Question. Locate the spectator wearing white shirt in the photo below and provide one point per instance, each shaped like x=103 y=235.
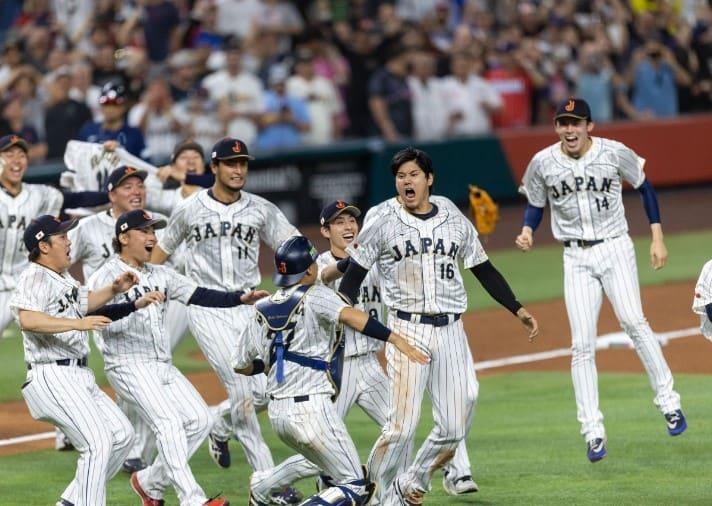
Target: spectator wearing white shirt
x=323 y=100
x=240 y=95
x=155 y=117
x=469 y=99
x=430 y=118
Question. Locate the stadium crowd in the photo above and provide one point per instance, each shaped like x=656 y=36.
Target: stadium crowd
x=280 y=74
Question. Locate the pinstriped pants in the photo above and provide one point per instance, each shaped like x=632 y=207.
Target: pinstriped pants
x=68 y=397
x=609 y=268
x=452 y=385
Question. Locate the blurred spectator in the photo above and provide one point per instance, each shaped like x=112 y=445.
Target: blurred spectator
x=113 y=127
x=13 y=122
x=428 y=100
x=74 y=18
x=104 y=67
x=324 y=103
x=11 y=61
x=239 y=93
x=390 y=99
x=203 y=33
x=597 y=82
x=514 y=77
x=64 y=116
x=84 y=91
x=654 y=74
x=468 y=99
x=280 y=18
x=197 y=118
x=159 y=21
x=25 y=85
x=184 y=73
x=153 y=115
x=285 y=118
x=238 y=17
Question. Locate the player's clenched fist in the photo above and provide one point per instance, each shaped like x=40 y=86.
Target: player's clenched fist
x=413 y=353
x=525 y=240
x=124 y=282
x=93 y=323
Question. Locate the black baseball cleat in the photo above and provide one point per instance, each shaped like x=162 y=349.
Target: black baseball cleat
x=219 y=451
x=289 y=495
x=596 y=449
x=676 y=423
x=133 y=465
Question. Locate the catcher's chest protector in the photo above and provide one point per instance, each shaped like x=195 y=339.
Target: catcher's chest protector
x=281 y=321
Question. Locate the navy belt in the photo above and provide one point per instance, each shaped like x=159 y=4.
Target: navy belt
x=582 y=243
x=436 y=320
x=298 y=398
x=81 y=362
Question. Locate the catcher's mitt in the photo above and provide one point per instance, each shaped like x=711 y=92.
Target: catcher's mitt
x=485 y=212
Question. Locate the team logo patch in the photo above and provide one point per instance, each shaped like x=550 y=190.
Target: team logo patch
x=39 y=235
x=237 y=148
x=129 y=170
x=146 y=216
x=570 y=106
x=14 y=139
x=124 y=226
x=282 y=268
x=340 y=204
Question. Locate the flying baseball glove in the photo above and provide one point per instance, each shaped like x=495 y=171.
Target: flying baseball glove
x=484 y=211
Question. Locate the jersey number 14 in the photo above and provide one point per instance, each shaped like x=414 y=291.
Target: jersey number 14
x=601 y=204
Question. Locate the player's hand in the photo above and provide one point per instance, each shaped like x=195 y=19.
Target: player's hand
x=529 y=322
x=413 y=353
x=111 y=145
x=250 y=298
x=124 y=282
x=93 y=323
x=525 y=240
x=658 y=254
x=150 y=298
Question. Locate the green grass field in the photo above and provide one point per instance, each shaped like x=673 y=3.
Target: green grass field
x=524 y=446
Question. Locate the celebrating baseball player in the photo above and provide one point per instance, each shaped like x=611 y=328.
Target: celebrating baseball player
x=702 y=302
x=581 y=177
x=137 y=358
x=417 y=240
x=298 y=333
x=222 y=228
x=54 y=313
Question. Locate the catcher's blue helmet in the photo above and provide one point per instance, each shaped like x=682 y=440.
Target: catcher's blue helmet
x=292 y=259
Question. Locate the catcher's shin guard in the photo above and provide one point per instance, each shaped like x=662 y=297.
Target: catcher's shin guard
x=352 y=493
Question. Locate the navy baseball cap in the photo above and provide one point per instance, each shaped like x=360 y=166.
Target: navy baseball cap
x=574 y=108
x=228 y=149
x=292 y=259
x=138 y=218
x=44 y=226
x=112 y=93
x=332 y=210
x=8 y=141
x=120 y=174
x=185 y=146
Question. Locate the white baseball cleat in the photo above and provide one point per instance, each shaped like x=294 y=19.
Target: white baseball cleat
x=461 y=485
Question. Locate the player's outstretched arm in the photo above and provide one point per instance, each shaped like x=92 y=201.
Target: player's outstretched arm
x=361 y=322
x=98 y=298
x=334 y=271
x=41 y=323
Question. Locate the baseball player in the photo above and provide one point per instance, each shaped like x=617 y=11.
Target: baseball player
x=19 y=203
x=297 y=331
x=222 y=228
x=137 y=358
x=92 y=241
x=54 y=313
x=702 y=303
x=417 y=240
x=581 y=177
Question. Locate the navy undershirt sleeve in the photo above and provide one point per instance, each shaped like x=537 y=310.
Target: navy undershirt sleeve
x=650 y=202
x=205 y=180
x=495 y=284
x=215 y=298
x=115 y=311
x=73 y=200
x=533 y=216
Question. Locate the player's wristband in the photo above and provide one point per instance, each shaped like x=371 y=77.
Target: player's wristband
x=376 y=329
x=343 y=264
x=258 y=367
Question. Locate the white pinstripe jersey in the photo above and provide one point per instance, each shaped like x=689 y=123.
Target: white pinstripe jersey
x=418 y=258
x=60 y=295
x=369 y=302
x=313 y=336
x=15 y=214
x=91 y=241
x=585 y=194
x=159 y=199
x=703 y=296
x=223 y=241
x=141 y=336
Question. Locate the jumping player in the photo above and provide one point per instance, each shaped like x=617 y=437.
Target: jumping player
x=222 y=228
x=582 y=178
x=55 y=314
x=298 y=329
x=417 y=240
